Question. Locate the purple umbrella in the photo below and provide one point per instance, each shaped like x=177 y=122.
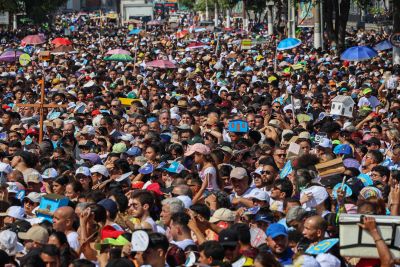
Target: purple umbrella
x=162 y=64
x=10 y=56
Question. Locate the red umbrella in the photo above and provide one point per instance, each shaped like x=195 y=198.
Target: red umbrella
x=33 y=40
x=118 y=52
x=195 y=45
x=155 y=22
x=61 y=41
x=162 y=64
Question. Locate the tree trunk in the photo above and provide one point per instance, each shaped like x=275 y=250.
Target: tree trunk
x=344 y=17
x=328 y=19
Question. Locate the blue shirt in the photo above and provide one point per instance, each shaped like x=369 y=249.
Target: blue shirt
x=286 y=257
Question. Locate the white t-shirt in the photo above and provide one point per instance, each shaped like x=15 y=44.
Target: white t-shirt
x=73 y=242
x=211 y=172
x=249 y=193
x=184 y=243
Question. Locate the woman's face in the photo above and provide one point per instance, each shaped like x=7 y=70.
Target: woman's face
x=258 y=182
x=69 y=192
x=58 y=189
x=150 y=154
x=54 y=241
x=198 y=158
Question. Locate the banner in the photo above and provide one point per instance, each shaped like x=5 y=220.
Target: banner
x=305 y=14
x=246 y=44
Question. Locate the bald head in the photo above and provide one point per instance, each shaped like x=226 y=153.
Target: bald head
x=318 y=222
x=63 y=219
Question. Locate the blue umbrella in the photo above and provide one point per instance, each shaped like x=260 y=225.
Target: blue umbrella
x=288 y=43
x=384 y=45
x=134 y=31
x=358 y=53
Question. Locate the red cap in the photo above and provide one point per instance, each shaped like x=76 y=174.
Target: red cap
x=155 y=187
x=5 y=106
x=96 y=112
x=137 y=185
x=110 y=232
x=32 y=131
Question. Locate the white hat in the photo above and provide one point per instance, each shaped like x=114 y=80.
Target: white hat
x=49 y=173
x=288 y=107
x=100 y=169
x=304 y=135
x=187 y=202
x=83 y=170
x=14 y=187
x=34 y=197
x=124 y=176
x=175 y=116
x=126 y=137
x=319 y=195
x=223 y=88
x=6 y=168
x=9 y=242
x=260 y=195
x=325 y=143
x=16 y=212
x=88 y=129
x=346 y=125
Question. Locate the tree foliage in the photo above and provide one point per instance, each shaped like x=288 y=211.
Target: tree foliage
x=37 y=10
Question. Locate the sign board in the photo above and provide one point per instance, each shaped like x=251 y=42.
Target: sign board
x=322 y=247
x=246 y=44
x=238 y=126
x=286 y=170
x=305 y=14
x=24 y=59
x=395 y=39
x=4 y=18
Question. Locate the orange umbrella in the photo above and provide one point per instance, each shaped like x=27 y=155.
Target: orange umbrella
x=61 y=41
x=182 y=34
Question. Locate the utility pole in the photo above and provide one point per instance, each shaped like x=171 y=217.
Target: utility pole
x=321 y=11
x=270 y=6
x=317 y=24
x=215 y=14
x=228 y=18
x=207 y=17
x=396 y=29
x=291 y=19
x=244 y=16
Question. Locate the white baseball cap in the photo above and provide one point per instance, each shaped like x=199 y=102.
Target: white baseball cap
x=9 y=243
x=83 y=170
x=16 y=212
x=49 y=173
x=100 y=169
x=6 y=168
x=34 y=197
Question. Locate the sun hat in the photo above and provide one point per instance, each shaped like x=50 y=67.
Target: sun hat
x=9 y=242
x=36 y=233
x=199 y=148
x=16 y=212
x=238 y=173
x=98 y=168
x=223 y=214
x=49 y=173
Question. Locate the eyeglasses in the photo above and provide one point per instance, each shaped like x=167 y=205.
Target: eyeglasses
x=281 y=155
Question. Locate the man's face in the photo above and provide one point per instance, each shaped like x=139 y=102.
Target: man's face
x=50 y=261
x=268 y=174
x=165 y=215
x=310 y=231
x=278 y=244
x=136 y=208
x=203 y=259
x=279 y=156
x=59 y=221
x=239 y=185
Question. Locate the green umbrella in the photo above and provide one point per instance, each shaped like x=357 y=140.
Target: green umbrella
x=119 y=57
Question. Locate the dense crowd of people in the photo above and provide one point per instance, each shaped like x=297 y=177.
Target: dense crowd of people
x=215 y=162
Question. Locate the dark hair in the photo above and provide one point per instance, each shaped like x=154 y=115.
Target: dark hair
x=95 y=195
x=201 y=209
x=243 y=232
x=212 y=249
x=66 y=253
x=61 y=237
x=122 y=165
x=377 y=156
x=181 y=219
x=382 y=170
x=286 y=186
x=157 y=240
x=100 y=213
x=50 y=250
x=267 y=259
x=121 y=200
x=82 y=263
x=76 y=186
x=144 y=197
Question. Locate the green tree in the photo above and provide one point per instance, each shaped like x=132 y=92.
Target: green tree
x=38 y=10
x=187 y=3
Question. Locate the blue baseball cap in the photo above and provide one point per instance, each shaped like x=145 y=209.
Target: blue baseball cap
x=263 y=218
x=134 y=151
x=275 y=230
x=343 y=149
